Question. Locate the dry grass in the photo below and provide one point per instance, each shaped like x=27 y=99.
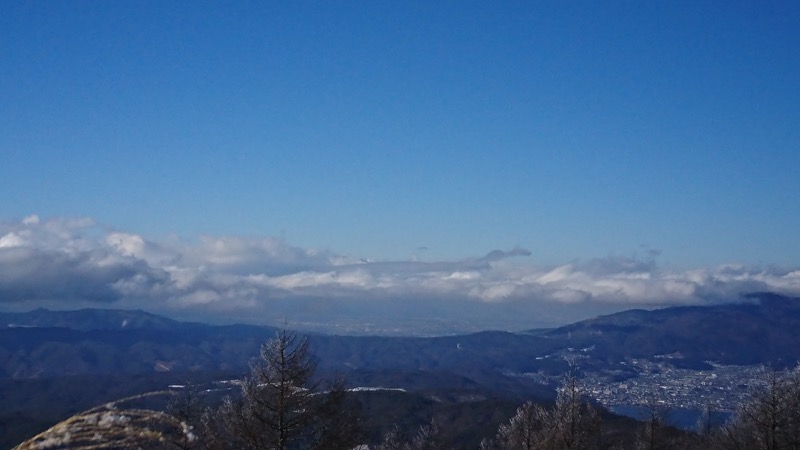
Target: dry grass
x=113 y=425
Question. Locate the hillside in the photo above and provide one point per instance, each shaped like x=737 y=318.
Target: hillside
x=760 y=330
x=93 y=354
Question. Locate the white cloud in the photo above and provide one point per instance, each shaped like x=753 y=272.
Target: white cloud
x=12 y=240
x=72 y=260
x=31 y=220
x=126 y=244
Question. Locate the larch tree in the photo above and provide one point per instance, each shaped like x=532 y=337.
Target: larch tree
x=186 y=404
x=769 y=420
x=282 y=406
x=572 y=424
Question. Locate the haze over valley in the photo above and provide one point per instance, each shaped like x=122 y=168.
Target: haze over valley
x=75 y=263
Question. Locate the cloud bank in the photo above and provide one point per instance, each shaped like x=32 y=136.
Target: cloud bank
x=65 y=263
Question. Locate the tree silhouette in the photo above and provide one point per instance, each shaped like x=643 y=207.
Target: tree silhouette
x=282 y=406
x=571 y=424
x=770 y=420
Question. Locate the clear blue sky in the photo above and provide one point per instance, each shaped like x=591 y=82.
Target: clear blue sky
x=572 y=129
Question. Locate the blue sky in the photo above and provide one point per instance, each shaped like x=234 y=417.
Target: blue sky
x=398 y=131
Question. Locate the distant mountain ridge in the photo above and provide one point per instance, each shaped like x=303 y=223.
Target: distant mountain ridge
x=42 y=347
x=88 y=319
x=763 y=329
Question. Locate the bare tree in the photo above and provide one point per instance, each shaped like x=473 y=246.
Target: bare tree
x=394 y=439
x=652 y=433
x=524 y=431
x=770 y=420
x=282 y=405
x=428 y=437
x=211 y=431
x=571 y=424
x=577 y=423
x=186 y=404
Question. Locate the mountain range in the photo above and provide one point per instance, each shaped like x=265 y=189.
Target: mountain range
x=761 y=329
x=99 y=354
